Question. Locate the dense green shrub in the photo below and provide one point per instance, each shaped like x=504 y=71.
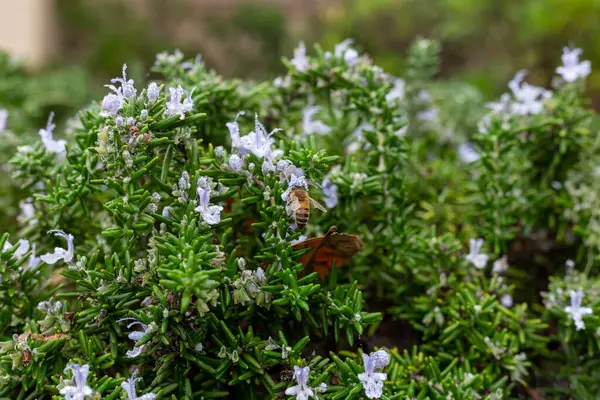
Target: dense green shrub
x=175 y=267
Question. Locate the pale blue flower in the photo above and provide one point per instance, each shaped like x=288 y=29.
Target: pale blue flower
x=211 y=214
x=573 y=69
x=235 y=162
x=347 y=53
x=192 y=66
x=59 y=253
x=300 y=61
x=46 y=134
x=80 y=390
x=178 y=105
x=302 y=391
x=479 y=260
x=500 y=265
x=260 y=142
x=3 y=119
x=506 y=300
x=529 y=99
x=127 y=90
x=576 y=311
x=330 y=191
x=397 y=91
x=111 y=104
x=152 y=92
x=372 y=381
x=467 y=153
x=357 y=138
x=136 y=336
x=313 y=126
x=22 y=248
x=165 y=58
x=34 y=261
x=129 y=388
x=431 y=114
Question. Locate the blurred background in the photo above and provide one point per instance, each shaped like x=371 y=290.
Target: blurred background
x=483 y=41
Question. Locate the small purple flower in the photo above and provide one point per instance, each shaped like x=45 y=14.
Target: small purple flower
x=347 y=53
x=210 y=214
x=302 y=391
x=300 y=61
x=129 y=388
x=3 y=119
x=59 y=253
x=235 y=162
x=80 y=390
x=576 y=311
x=467 y=153
x=22 y=248
x=178 y=105
x=111 y=104
x=506 y=300
x=529 y=99
x=397 y=91
x=475 y=257
x=372 y=381
x=136 y=336
x=192 y=66
x=573 y=69
x=152 y=92
x=313 y=126
x=500 y=265
x=127 y=90
x=261 y=141
x=46 y=134
x=330 y=190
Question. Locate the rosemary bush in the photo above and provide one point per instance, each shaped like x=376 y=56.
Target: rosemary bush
x=157 y=256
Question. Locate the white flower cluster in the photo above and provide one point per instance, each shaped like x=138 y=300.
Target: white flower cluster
x=113 y=102
x=342 y=51
x=526 y=99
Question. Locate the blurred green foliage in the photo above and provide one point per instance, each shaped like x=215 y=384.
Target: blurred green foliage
x=483 y=42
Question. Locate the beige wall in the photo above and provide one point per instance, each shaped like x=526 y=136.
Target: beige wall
x=26 y=29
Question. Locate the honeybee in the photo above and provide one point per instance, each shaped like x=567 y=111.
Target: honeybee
x=298 y=206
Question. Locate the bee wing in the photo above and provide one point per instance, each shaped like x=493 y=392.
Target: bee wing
x=292 y=205
x=316 y=204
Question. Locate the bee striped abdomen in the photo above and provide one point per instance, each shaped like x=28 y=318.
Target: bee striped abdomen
x=302 y=215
